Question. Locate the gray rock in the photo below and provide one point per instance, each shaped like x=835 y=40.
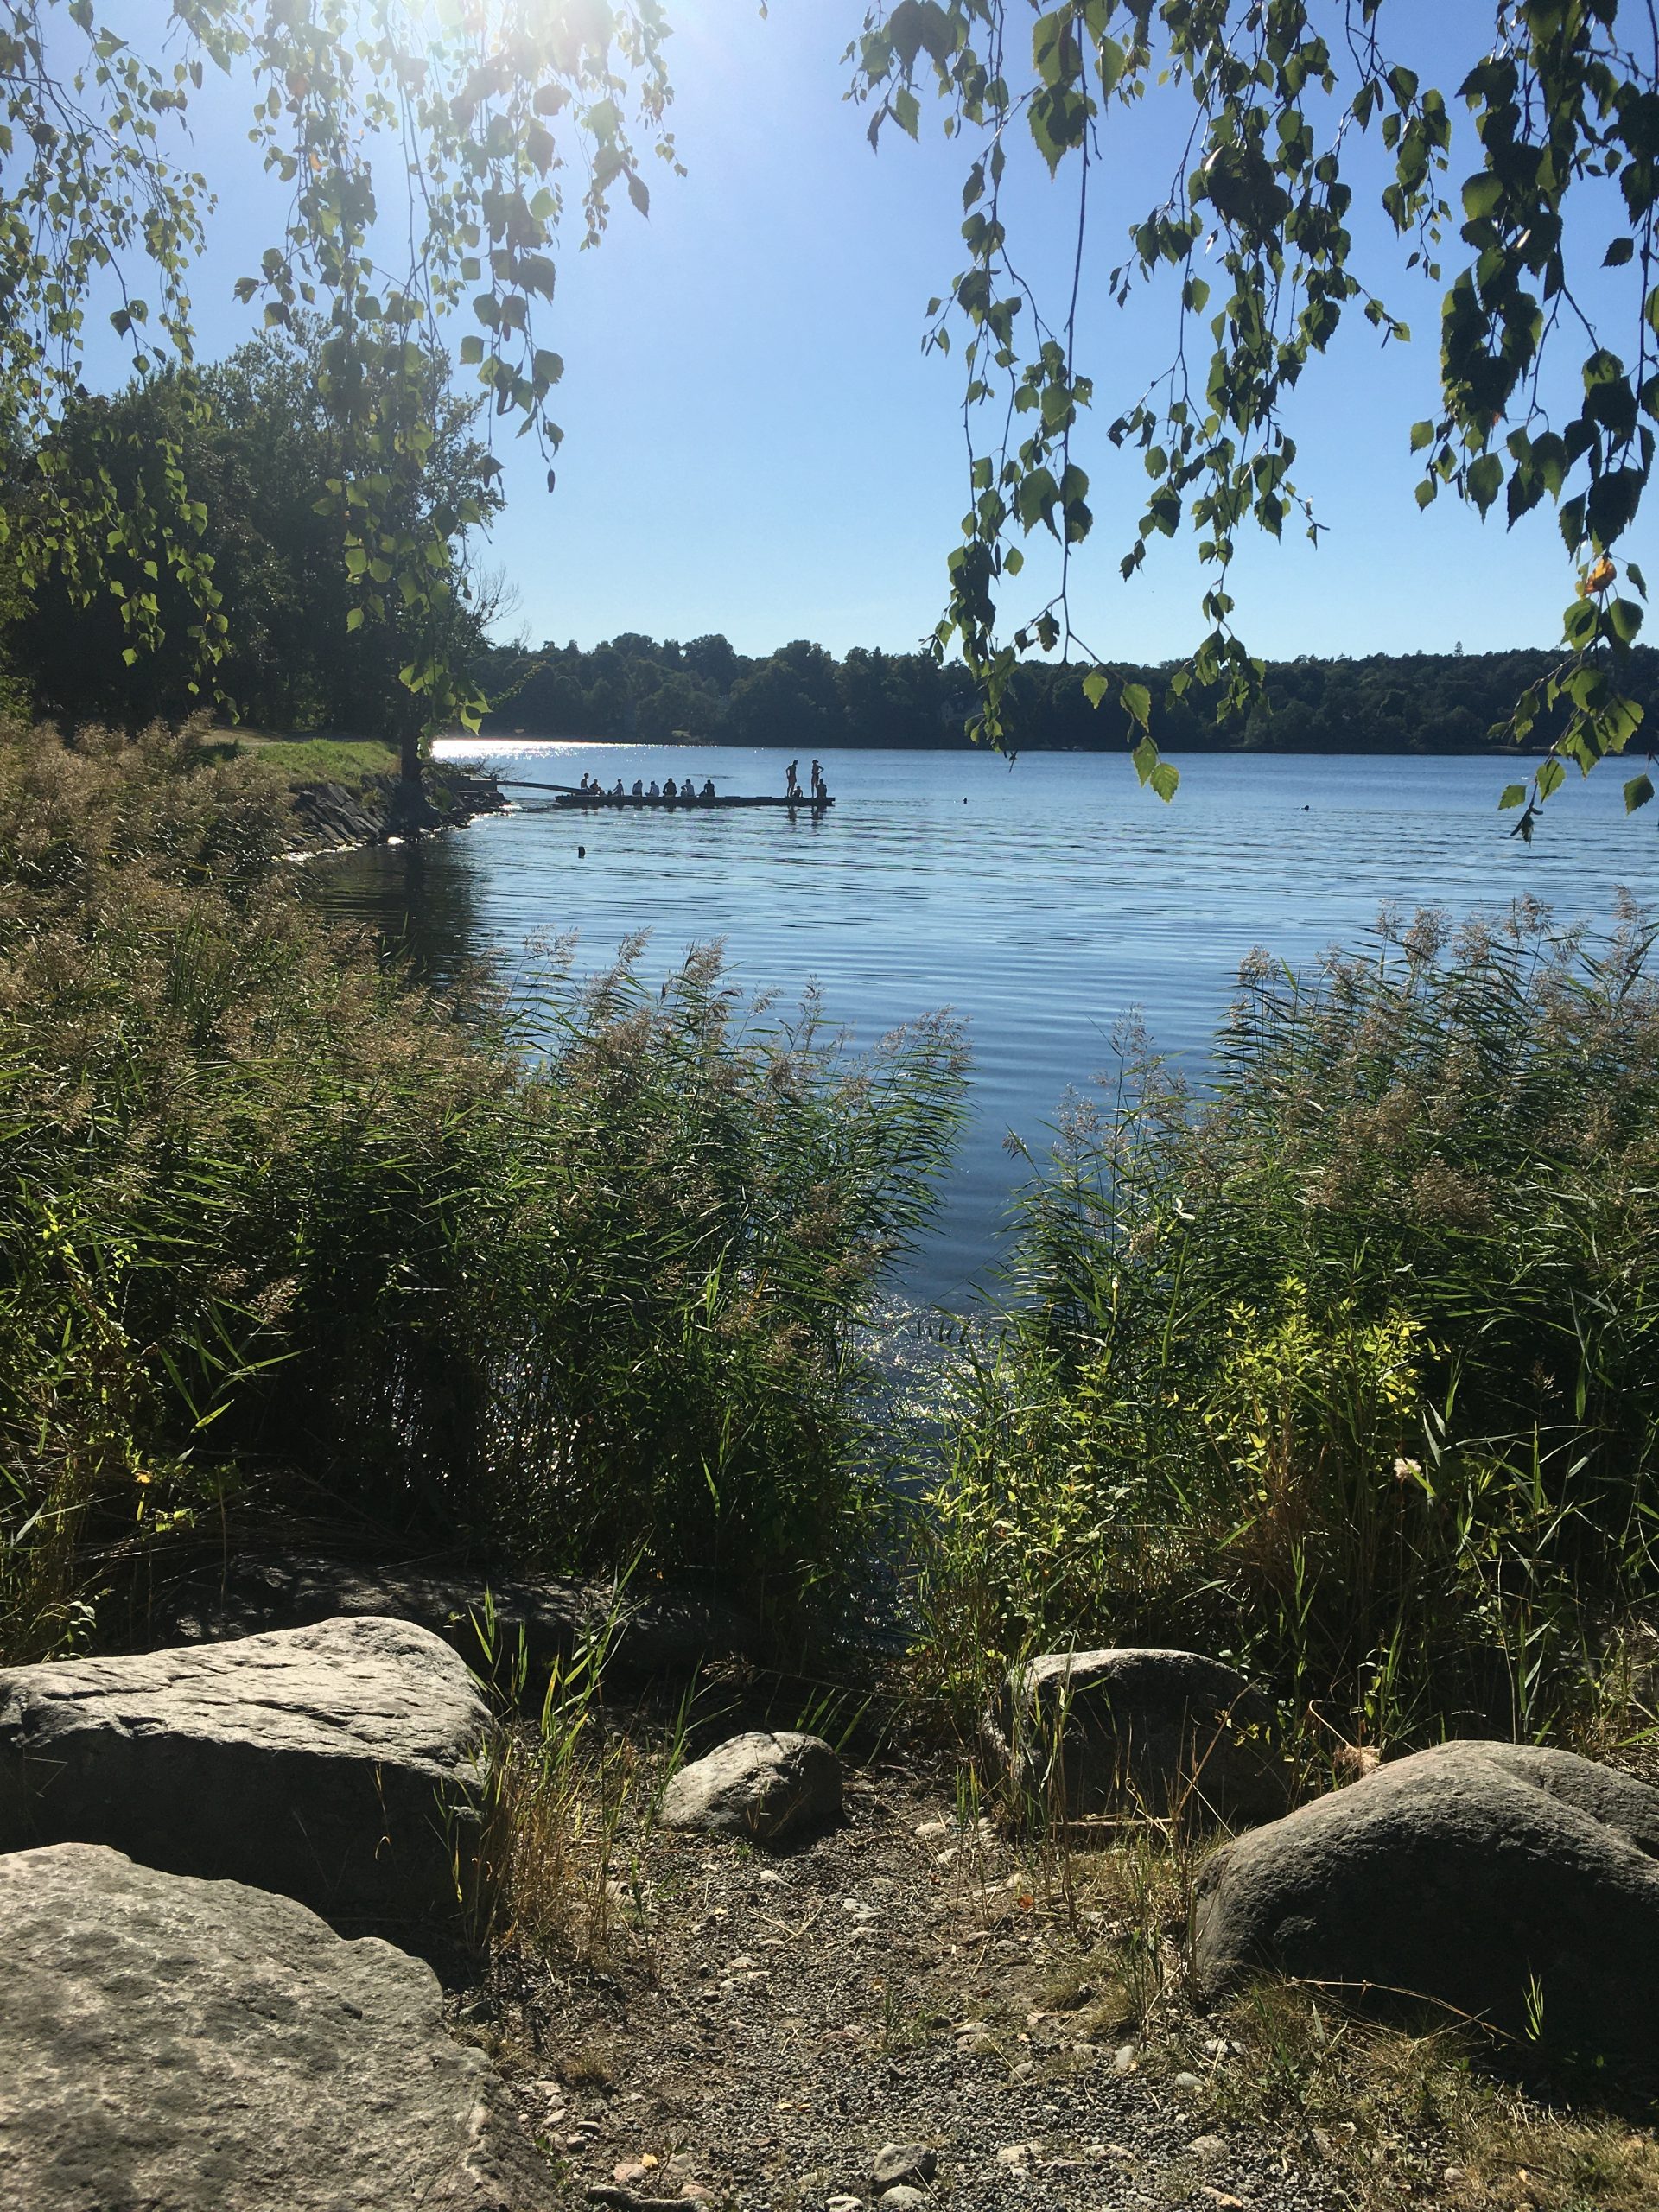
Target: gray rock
x=903 y=2196
x=658 y=1632
x=764 y=1786
x=911 y=2165
x=173 y=2045
x=336 y=1764
x=1468 y=1875
x=1171 y=1733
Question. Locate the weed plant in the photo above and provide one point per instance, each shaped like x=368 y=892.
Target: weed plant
x=1343 y=1367
x=564 y=1279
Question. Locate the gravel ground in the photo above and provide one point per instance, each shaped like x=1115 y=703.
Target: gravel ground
x=783 y=2017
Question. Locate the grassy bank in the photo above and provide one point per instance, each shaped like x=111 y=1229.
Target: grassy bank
x=353 y=762
x=1344 y=1368
x=567 y=1279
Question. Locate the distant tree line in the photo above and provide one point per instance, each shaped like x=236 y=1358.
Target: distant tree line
x=635 y=689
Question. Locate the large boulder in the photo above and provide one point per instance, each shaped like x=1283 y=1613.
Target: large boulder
x=173 y=2045
x=1170 y=1733
x=338 y=1763
x=1512 y=1884
x=490 y=1620
x=767 y=1787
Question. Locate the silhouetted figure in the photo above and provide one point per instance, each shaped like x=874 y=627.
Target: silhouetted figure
x=670 y=789
x=819 y=789
x=791 y=780
x=639 y=788
x=708 y=787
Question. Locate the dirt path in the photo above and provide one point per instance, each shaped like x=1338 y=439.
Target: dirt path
x=893 y=1982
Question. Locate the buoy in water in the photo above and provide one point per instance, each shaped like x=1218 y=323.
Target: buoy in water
x=582 y=852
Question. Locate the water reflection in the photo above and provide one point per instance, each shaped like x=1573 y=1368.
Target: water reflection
x=420 y=901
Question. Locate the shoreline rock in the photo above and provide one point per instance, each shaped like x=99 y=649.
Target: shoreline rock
x=342 y=820
x=1507 y=1883
x=207 y=2047
x=1172 y=1735
x=339 y=1763
x=767 y=1787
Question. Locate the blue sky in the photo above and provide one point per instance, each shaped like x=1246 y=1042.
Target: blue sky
x=755 y=443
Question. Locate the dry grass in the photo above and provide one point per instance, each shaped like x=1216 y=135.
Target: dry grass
x=1392 y=2111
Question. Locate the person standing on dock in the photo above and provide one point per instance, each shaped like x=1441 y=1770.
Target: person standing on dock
x=791 y=780
x=820 y=791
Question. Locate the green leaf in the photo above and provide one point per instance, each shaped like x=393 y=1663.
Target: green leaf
x=1514 y=795
x=1136 y=703
x=1485 y=480
x=1619 y=253
x=1637 y=792
x=1422 y=433
x=1096 y=685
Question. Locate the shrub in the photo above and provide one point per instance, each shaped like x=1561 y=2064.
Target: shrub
x=562 y=1280
x=1343 y=1366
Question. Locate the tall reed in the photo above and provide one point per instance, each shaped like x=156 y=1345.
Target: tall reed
x=1341 y=1366
x=561 y=1279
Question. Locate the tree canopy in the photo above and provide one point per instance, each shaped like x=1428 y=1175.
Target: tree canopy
x=1543 y=159
x=435 y=153
x=426 y=147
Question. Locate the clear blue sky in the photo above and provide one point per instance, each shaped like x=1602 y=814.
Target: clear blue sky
x=756 y=444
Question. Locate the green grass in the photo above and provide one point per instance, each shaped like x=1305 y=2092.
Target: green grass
x=1343 y=1368
x=353 y=761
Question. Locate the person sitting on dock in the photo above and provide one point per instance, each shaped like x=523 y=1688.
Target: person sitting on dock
x=791 y=780
x=653 y=792
x=639 y=788
x=670 y=789
x=617 y=793
x=708 y=791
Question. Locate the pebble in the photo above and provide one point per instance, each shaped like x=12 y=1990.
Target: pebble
x=909 y=2165
x=1186 y=2081
x=1207 y=2148
x=845 y=2204
x=1018 y=2154
x=1123 y=2059
x=901 y=2197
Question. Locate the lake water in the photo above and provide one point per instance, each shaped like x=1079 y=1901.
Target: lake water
x=1045 y=902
